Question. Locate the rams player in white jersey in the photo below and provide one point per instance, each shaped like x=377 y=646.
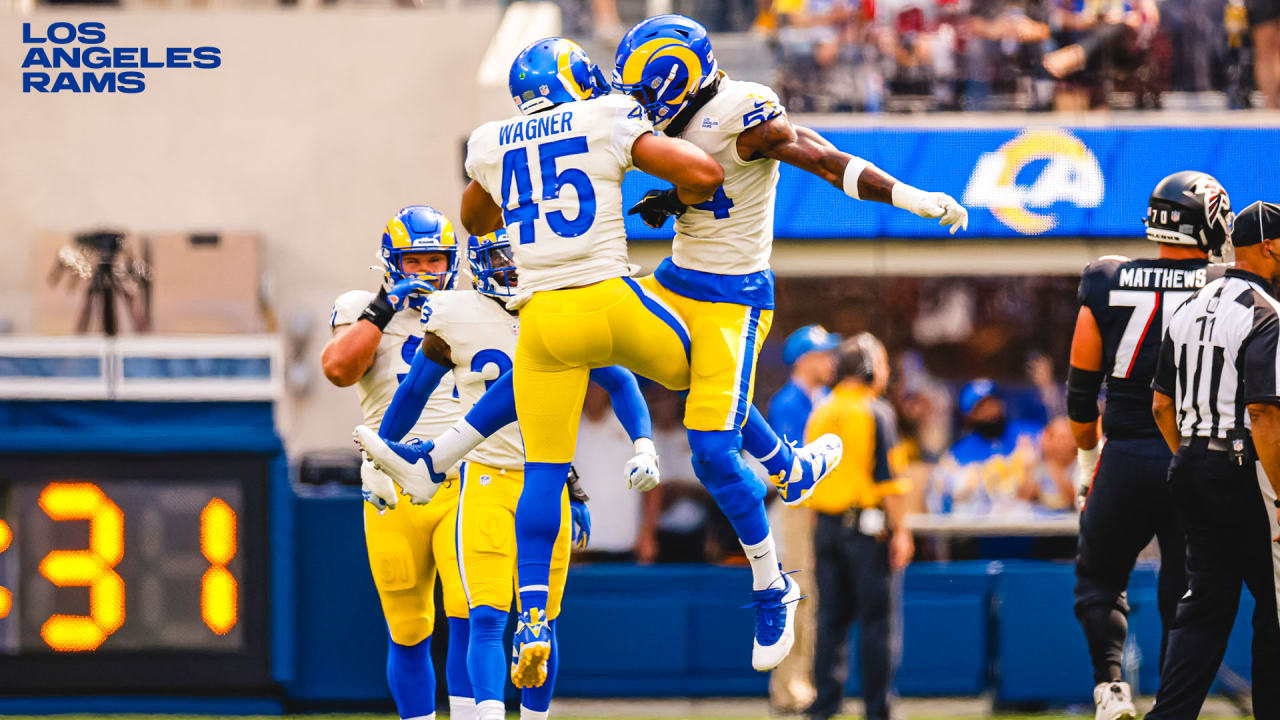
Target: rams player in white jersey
x=471 y=334
x=553 y=177
x=375 y=338
x=718 y=278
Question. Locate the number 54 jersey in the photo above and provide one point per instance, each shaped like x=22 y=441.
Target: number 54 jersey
x=1132 y=301
x=557 y=175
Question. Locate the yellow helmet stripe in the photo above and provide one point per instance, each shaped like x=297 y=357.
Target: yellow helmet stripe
x=682 y=53
x=564 y=55
x=634 y=66
x=399 y=233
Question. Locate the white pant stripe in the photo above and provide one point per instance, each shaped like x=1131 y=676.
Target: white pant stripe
x=457 y=532
x=737 y=371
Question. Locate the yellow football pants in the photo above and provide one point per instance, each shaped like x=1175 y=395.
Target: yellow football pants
x=487 y=538
x=564 y=333
x=726 y=339
x=408 y=545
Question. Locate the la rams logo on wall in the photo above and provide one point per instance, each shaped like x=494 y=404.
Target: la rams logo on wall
x=1023 y=178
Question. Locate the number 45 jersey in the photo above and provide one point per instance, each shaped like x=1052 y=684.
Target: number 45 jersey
x=557 y=175
x=1132 y=301
x=482 y=340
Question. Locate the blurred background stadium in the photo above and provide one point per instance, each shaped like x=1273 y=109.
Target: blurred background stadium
x=170 y=258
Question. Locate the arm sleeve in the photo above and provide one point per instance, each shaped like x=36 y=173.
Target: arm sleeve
x=758 y=104
x=628 y=403
x=495 y=409
x=406 y=406
x=1165 y=380
x=1260 y=359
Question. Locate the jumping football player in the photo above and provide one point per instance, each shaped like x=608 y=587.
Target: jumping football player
x=552 y=176
x=471 y=334
x=1124 y=309
x=374 y=339
x=718 y=279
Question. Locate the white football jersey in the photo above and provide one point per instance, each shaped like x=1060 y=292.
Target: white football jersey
x=731 y=234
x=557 y=175
x=391 y=361
x=482 y=341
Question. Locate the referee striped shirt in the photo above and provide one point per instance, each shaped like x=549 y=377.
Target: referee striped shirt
x=1220 y=354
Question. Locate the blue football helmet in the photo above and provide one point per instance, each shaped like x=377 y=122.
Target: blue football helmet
x=553 y=71
x=419 y=229
x=493 y=266
x=662 y=63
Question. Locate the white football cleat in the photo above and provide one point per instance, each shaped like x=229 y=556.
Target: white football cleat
x=775 y=623
x=811 y=465
x=1114 y=701
x=408 y=464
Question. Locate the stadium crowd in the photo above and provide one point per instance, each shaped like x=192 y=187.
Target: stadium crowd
x=992 y=55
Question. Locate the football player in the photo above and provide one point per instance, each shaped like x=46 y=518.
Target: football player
x=1124 y=310
x=471 y=334
x=718 y=280
x=375 y=336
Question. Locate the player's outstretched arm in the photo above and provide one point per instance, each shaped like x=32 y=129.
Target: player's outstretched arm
x=695 y=174
x=480 y=214
x=799 y=146
x=429 y=367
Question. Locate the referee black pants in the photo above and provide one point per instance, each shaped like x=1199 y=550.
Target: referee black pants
x=1230 y=521
x=1128 y=504
x=854 y=584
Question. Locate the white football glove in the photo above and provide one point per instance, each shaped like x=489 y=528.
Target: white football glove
x=641 y=471
x=376 y=486
x=931 y=205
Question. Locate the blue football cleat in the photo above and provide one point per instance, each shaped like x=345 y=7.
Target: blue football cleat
x=530 y=649
x=775 y=623
x=812 y=463
x=408 y=464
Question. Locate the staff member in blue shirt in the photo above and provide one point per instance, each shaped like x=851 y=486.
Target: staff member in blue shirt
x=810 y=351
x=813 y=369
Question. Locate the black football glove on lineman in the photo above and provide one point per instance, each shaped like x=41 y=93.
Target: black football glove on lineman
x=657 y=206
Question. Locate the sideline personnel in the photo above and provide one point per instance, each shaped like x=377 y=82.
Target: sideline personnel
x=813 y=368
x=858 y=507
x=1219 y=360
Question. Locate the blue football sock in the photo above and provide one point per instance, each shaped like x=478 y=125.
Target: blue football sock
x=486 y=657
x=763 y=444
x=412 y=678
x=537 y=525
x=718 y=463
x=455 y=668
x=538 y=698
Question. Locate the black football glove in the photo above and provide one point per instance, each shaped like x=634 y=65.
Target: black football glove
x=657 y=206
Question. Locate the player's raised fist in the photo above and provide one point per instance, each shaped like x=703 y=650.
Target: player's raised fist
x=658 y=205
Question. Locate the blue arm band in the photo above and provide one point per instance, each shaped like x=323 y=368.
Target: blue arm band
x=496 y=409
x=628 y=403
x=406 y=406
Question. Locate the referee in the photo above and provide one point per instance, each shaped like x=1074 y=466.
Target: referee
x=1217 y=403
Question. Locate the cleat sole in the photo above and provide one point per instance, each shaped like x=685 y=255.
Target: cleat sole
x=531 y=668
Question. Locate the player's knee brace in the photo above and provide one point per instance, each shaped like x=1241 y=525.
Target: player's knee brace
x=486 y=660
x=718 y=463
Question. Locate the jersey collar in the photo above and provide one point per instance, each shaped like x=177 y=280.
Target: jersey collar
x=1236 y=272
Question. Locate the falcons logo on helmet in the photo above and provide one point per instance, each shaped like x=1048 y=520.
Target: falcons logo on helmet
x=1217 y=206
